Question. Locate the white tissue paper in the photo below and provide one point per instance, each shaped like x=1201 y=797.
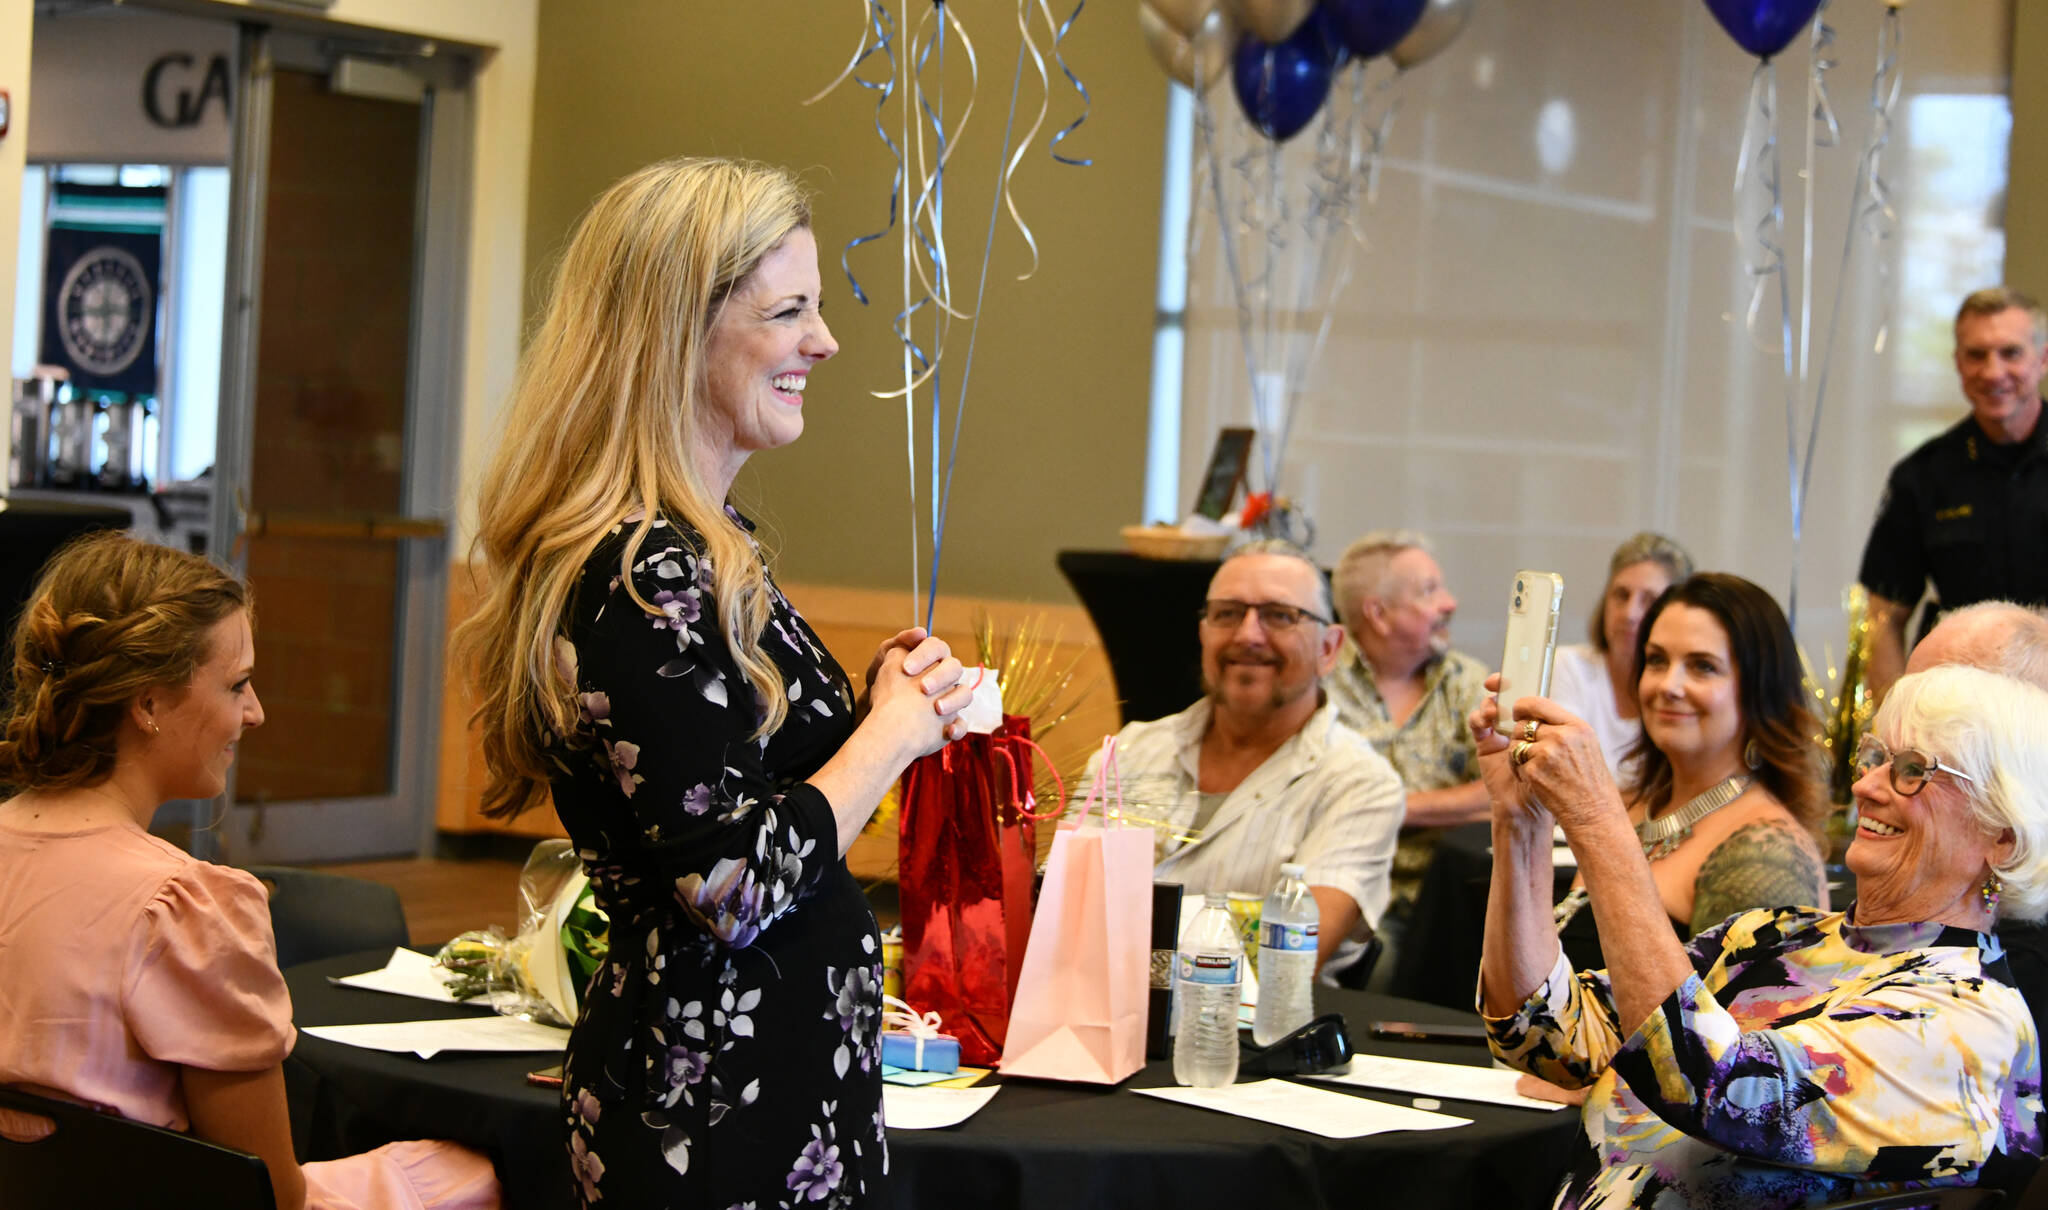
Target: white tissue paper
x=985 y=713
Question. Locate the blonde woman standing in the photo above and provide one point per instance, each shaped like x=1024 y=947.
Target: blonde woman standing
x=635 y=660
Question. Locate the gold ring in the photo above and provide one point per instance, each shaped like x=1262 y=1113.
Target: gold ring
x=1529 y=731
x=1519 y=754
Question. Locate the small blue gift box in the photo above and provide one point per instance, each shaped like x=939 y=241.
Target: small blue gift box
x=940 y=1052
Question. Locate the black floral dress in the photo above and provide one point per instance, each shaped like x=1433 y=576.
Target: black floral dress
x=728 y=1052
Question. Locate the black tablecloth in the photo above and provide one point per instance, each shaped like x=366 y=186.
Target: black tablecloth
x=1055 y=1146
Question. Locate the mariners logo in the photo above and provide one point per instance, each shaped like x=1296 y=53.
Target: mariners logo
x=104 y=308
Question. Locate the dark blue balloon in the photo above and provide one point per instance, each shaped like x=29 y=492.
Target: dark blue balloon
x=1373 y=27
x=1763 y=27
x=1281 y=86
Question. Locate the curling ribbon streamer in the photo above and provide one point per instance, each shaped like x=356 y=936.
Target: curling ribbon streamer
x=876 y=20
x=918 y=193
x=1086 y=104
x=1877 y=218
x=1766 y=262
x=897 y=1014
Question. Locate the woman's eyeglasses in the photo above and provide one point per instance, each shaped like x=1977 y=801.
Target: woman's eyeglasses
x=1273 y=616
x=1910 y=767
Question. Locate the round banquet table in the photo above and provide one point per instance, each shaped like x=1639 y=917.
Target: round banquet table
x=1036 y=1144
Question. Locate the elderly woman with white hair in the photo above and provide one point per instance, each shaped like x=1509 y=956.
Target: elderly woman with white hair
x=1786 y=1057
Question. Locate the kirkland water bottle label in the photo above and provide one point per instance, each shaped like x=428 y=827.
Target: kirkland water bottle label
x=1209 y=968
x=1296 y=937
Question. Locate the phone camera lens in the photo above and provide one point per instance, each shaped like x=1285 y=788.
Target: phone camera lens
x=1518 y=586
x=1518 y=600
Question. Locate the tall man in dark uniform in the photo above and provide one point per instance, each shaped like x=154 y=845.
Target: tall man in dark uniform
x=1969 y=509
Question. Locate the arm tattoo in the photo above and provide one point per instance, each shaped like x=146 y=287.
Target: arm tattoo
x=1764 y=865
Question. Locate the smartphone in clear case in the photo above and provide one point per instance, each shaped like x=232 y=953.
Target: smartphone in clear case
x=1532 y=640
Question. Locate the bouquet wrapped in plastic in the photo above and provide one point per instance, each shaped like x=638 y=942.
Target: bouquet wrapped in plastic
x=539 y=971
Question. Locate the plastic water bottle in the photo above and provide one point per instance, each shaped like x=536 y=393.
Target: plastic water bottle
x=1288 y=925
x=1210 y=971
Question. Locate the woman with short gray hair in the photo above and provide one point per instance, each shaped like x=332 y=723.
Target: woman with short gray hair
x=1786 y=1057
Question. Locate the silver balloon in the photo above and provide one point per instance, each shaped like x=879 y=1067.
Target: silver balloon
x=1197 y=62
x=1184 y=16
x=1269 y=20
x=1441 y=21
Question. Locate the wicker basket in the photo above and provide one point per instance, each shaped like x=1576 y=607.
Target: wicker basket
x=1172 y=542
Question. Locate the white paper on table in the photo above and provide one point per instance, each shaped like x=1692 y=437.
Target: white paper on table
x=408 y=973
x=429 y=1038
x=1493 y=1085
x=905 y=1108
x=1333 y=1115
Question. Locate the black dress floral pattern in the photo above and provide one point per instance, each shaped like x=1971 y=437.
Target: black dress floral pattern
x=728 y=1053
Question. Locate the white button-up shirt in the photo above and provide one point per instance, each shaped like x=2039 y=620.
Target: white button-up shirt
x=1325 y=799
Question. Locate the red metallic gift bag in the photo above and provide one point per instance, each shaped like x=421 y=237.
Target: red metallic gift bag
x=965 y=867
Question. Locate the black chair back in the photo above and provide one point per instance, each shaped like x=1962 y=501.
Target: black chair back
x=319 y=915
x=1355 y=975
x=98 y=1161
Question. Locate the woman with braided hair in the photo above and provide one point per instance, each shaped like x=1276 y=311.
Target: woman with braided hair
x=133 y=977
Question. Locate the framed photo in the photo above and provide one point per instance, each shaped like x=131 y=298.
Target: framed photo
x=1226 y=472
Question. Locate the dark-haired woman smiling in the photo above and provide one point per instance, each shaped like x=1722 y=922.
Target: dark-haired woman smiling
x=1727 y=799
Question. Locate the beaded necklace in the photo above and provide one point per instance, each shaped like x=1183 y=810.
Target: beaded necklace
x=1662 y=835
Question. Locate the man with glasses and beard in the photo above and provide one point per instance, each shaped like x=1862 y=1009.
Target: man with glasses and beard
x=1259 y=771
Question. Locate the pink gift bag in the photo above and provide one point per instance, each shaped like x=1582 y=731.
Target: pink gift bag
x=1079 y=1011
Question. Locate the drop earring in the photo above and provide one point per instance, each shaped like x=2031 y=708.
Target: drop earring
x=1989 y=892
x=1751 y=757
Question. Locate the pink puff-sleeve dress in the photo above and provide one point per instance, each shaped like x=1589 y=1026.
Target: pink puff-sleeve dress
x=124 y=959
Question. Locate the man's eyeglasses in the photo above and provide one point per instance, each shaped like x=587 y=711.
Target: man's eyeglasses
x=1910 y=767
x=1273 y=616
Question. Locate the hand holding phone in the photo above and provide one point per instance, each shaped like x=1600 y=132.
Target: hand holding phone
x=1532 y=641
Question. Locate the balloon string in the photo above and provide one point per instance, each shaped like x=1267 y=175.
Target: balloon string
x=938 y=191
x=1227 y=236
x=1878 y=219
x=901 y=325
x=1271 y=385
x=882 y=26
x=1766 y=262
x=1822 y=130
x=860 y=52
x=1025 y=43
x=1339 y=153
x=1086 y=103
x=974 y=328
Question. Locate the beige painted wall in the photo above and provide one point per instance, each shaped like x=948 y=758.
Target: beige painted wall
x=1053 y=449
x=2026 y=205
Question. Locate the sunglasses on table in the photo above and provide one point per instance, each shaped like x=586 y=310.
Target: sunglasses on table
x=1229 y=615
x=1910 y=767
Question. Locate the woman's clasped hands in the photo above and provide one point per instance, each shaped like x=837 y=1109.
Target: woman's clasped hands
x=915 y=692
x=1549 y=760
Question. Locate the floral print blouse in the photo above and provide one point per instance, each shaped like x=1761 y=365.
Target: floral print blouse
x=1807 y=1060
x=727 y=1053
